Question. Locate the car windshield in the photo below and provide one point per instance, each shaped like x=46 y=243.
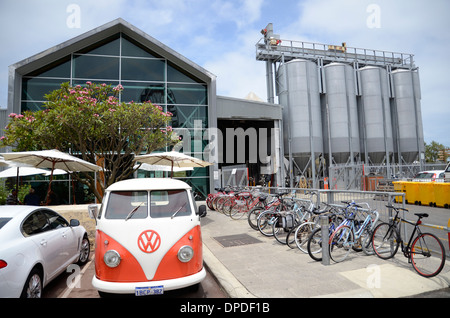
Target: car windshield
x=3 y=221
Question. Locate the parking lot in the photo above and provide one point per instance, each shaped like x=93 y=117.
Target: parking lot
x=76 y=283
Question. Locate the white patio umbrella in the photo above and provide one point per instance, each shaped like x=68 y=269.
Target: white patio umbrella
x=172 y=159
x=53 y=159
x=148 y=167
x=21 y=172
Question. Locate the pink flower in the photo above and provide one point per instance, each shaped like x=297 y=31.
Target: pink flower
x=118 y=88
x=89 y=83
x=96 y=115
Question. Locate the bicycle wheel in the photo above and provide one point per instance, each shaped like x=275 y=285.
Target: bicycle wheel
x=252 y=217
x=314 y=245
x=265 y=221
x=341 y=243
x=366 y=242
x=238 y=210
x=385 y=240
x=280 y=233
x=302 y=234
x=427 y=255
x=290 y=238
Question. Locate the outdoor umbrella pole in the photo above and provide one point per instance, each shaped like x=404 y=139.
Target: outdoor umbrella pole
x=50 y=184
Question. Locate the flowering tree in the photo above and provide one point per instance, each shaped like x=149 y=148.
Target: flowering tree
x=91 y=121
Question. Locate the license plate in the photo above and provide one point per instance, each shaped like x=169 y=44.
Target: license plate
x=144 y=291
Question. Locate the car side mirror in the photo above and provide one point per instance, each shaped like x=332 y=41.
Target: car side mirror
x=74 y=222
x=93 y=211
x=202 y=211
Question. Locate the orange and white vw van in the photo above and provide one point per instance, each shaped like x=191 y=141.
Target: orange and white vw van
x=148 y=237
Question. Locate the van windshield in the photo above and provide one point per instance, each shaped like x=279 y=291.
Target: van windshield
x=169 y=204
x=124 y=205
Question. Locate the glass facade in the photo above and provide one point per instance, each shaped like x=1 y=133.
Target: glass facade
x=145 y=76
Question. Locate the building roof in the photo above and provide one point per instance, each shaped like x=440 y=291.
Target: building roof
x=102 y=32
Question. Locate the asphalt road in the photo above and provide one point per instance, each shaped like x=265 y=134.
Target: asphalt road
x=76 y=283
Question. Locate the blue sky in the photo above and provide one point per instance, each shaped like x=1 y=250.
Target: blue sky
x=221 y=35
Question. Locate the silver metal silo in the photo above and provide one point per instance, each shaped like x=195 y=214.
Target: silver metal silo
x=377 y=123
x=298 y=91
x=343 y=129
x=406 y=87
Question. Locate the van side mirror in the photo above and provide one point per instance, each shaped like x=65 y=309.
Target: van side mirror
x=202 y=211
x=93 y=211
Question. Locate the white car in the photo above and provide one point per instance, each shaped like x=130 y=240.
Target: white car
x=37 y=244
x=431 y=175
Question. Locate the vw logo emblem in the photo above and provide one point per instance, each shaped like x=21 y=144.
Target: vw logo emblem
x=149 y=241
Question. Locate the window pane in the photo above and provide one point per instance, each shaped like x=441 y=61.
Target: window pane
x=36 y=88
x=199 y=185
x=82 y=83
x=32 y=106
x=109 y=46
x=56 y=221
x=194 y=94
x=175 y=74
x=123 y=204
x=143 y=69
x=60 y=68
x=166 y=204
x=132 y=48
x=3 y=221
x=96 y=67
x=142 y=92
x=185 y=116
x=35 y=223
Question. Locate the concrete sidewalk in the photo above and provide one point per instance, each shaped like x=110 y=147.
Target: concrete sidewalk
x=248 y=264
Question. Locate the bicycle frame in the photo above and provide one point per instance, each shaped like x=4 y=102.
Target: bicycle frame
x=406 y=249
x=357 y=233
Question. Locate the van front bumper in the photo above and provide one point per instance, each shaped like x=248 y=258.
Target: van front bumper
x=129 y=288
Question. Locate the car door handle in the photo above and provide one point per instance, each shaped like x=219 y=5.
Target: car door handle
x=64 y=235
x=43 y=243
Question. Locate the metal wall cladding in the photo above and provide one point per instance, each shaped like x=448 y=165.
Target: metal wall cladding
x=298 y=92
x=377 y=123
x=406 y=86
x=343 y=113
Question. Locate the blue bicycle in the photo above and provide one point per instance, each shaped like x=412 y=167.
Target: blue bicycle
x=352 y=234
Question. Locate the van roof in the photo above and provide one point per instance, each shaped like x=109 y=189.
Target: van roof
x=148 y=184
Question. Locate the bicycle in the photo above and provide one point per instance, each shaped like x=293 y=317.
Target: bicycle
x=288 y=220
x=269 y=217
x=242 y=204
x=351 y=233
x=254 y=213
x=314 y=244
x=424 y=251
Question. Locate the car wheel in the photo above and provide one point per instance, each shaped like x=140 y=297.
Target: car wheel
x=33 y=285
x=85 y=249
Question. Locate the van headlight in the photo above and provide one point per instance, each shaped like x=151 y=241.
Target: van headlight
x=185 y=253
x=111 y=258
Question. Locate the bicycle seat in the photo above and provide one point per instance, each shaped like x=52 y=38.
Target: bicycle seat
x=421 y=215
